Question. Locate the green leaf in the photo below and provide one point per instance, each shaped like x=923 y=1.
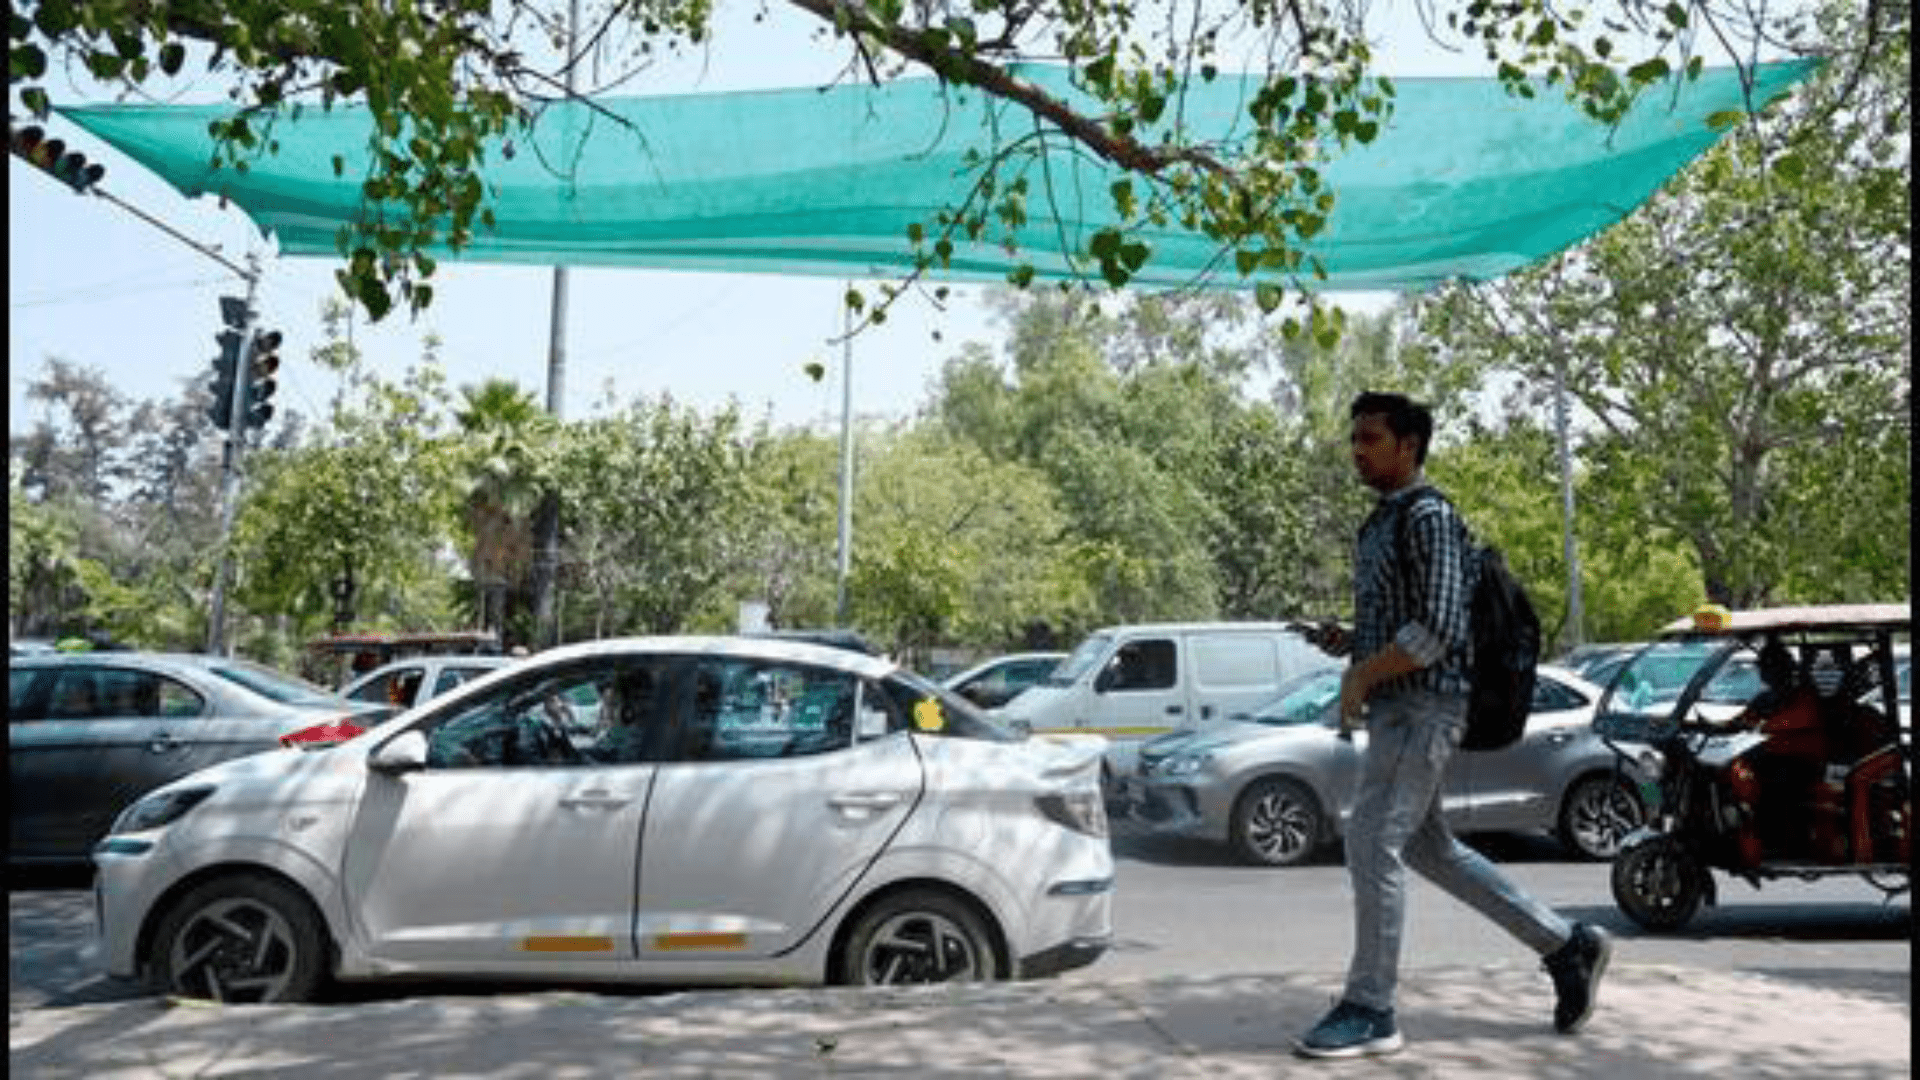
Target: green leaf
x=1135 y=255
x=1104 y=244
x=1649 y=70
x=1020 y=276
x=28 y=61
x=1268 y=296
x=1245 y=261
x=1724 y=119
x=1677 y=15
x=172 y=56
x=916 y=233
x=855 y=301
x=1790 y=167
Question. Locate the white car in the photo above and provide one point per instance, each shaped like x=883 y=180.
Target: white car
x=406 y=683
x=757 y=812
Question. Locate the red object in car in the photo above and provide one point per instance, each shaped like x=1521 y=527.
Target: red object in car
x=324 y=734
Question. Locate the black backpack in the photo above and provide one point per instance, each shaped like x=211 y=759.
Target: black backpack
x=1506 y=643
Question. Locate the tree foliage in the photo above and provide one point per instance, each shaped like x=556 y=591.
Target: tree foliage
x=1741 y=345
x=444 y=79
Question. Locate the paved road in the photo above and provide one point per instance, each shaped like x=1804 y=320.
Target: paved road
x=1186 y=910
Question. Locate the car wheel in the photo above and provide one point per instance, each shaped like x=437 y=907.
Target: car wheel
x=1596 y=814
x=241 y=939
x=918 y=936
x=1659 y=884
x=1276 y=822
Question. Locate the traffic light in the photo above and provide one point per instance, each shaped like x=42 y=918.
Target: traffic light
x=220 y=410
x=226 y=366
x=51 y=156
x=263 y=360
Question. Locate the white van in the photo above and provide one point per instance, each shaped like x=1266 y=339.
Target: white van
x=1130 y=683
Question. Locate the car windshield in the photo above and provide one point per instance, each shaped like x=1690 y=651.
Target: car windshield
x=1658 y=675
x=1302 y=700
x=268 y=683
x=1080 y=661
x=961 y=719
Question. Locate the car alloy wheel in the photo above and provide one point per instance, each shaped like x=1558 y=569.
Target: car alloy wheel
x=1276 y=823
x=242 y=940
x=1598 y=813
x=918 y=937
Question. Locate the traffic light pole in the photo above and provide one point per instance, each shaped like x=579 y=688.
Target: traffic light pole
x=230 y=457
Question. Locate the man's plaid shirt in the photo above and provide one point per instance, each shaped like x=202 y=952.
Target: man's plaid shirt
x=1421 y=605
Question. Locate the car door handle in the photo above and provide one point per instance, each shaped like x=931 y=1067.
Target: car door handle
x=1559 y=738
x=163 y=742
x=865 y=800
x=1174 y=709
x=1206 y=712
x=595 y=800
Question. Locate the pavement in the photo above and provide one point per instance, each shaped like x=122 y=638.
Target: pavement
x=1486 y=1023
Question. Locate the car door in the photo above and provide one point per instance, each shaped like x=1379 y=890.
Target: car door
x=512 y=845
x=109 y=734
x=1518 y=786
x=1140 y=692
x=772 y=812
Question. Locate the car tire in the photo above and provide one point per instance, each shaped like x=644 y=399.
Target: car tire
x=1276 y=822
x=1597 y=813
x=1659 y=884
x=918 y=936
x=243 y=939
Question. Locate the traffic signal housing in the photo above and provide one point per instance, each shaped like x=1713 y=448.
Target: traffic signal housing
x=263 y=361
x=225 y=367
x=52 y=157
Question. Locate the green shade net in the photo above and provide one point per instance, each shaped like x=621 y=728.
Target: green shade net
x=1465 y=181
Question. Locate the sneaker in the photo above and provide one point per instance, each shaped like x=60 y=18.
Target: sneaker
x=1576 y=969
x=1350 y=1030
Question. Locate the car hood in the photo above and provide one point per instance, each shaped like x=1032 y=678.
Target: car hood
x=1214 y=734
x=284 y=776
x=1035 y=702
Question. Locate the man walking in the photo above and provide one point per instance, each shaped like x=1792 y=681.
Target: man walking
x=1411 y=654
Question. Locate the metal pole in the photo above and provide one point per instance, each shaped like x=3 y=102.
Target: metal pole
x=1576 y=614
x=546 y=558
x=846 y=469
x=230 y=458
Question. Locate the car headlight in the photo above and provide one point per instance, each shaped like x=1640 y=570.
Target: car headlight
x=159 y=809
x=1184 y=764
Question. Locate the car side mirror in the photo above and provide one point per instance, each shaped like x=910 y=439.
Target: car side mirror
x=405 y=752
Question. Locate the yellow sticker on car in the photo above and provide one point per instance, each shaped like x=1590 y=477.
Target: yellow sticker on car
x=567 y=943
x=698 y=941
x=928 y=716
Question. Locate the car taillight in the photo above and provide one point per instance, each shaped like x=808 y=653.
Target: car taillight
x=1081 y=811
x=324 y=734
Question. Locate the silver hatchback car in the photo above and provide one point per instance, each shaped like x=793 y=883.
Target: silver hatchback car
x=1277 y=784
x=754 y=811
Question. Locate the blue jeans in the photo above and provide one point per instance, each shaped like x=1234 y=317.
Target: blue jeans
x=1396 y=823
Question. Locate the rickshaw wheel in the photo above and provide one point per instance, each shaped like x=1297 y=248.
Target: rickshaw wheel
x=1659 y=884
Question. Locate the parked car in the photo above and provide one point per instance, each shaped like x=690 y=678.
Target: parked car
x=1597 y=661
x=762 y=811
x=406 y=683
x=1129 y=683
x=1278 y=783
x=995 y=682
x=88 y=733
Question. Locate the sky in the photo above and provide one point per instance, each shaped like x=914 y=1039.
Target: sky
x=93 y=284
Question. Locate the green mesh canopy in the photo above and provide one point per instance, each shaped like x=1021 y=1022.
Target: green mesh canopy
x=1465 y=181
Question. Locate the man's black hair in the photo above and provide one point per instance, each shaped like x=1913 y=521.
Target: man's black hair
x=1404 y=417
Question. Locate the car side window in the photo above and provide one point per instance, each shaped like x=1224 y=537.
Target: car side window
x=75 y=695
x=1143 y=665
x=21 y=704
x=451 y=677
x=744 y=708
x=1550 y=696
x=519 y=725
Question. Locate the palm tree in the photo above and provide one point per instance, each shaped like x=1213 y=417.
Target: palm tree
x=507 y=434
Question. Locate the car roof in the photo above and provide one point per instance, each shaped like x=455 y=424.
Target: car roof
x=1817 y=617
x=746 y=647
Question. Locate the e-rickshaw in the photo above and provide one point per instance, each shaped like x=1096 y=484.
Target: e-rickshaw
x=1806 y=775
